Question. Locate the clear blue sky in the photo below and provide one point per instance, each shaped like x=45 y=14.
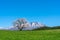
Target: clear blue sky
x=44 y=11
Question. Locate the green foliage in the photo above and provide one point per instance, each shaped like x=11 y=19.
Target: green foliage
x=56 y=27
x=47 y=28
x=30 y=35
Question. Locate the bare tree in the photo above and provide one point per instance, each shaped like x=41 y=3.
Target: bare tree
x=20 y=23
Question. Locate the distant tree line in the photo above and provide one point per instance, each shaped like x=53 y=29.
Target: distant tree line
x=47 y=28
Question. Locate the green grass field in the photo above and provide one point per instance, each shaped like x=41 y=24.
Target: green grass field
x=30 y=35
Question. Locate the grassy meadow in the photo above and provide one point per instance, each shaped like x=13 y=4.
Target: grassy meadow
x=30 y=35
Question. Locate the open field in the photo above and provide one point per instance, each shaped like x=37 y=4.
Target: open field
x=30 y=35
